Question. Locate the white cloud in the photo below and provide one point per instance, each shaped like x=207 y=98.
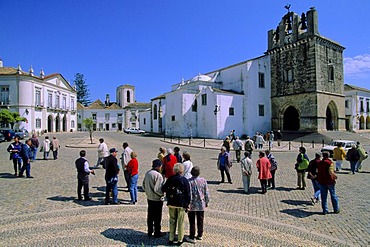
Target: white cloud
x=357 y=66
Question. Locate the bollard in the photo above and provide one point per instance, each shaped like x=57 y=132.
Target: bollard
x=290 y=146
x=313 y=144
x=323 y=142
x=178 y=141
x=301 y=143
x=189 y=141
x=171 y=138
x=204 y=142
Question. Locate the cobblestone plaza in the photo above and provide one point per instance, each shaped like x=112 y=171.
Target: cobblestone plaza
x=43 y=211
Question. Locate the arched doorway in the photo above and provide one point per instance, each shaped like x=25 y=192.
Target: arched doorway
x=64 y=124
x=368 y=122
x=50 y=123
x=291 y=119
x=331 y=116
x=57 y=124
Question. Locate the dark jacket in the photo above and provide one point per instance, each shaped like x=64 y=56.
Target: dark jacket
x=15 y=146
x=80 y=166
x=178 y=185
x=353 y=155
x=26 y=152
x=312 y=169
x=111 y=167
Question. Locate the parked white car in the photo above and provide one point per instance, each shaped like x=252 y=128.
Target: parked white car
x=346 y=144
x=134 y=131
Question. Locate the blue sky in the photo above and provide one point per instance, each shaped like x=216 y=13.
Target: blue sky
x=153 y=44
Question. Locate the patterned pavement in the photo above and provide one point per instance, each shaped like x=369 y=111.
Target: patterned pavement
x=43 y=211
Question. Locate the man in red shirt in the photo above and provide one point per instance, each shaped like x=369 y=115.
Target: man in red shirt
x=133 y=173
x=169 y=162
x=326 y=178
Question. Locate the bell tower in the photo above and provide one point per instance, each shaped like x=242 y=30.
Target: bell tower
x=306 y=76
x=125 y=95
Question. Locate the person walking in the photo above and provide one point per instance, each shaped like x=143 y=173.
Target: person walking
x=353 y=157
x=103 y=153
x=339 y=154
x=34 y=146
x=260 y=141
x=177 y=154
x=188 y=165
x=161 y=154
x=198 y=203
x=133 y=173
x=125 y=159
x=152 y=186
x=273 y=168
x=224 y=164
x=271 y=139
x=83 y=172
x=246 y=164
x=55 y=147
x=26 y=155
x=263 y=166
x=169 y=162
x=279 y=137
x=301 y=167
x=312 y=174
x=238 y=147
x=226 y=144
x=327 y=179
x=111 y=176
x=363 y=155
x=249 y=145
x=46 y=147
x=14 y=150
x=177 y=191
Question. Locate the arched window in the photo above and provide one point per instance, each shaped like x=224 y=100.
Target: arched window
x=128 y=97
x=155 y=112
x=72 y=123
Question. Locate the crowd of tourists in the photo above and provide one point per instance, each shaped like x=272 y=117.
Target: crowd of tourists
x=173 y=179
x=22 y=154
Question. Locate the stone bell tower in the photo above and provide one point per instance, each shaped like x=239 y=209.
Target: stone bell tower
x=306 y=76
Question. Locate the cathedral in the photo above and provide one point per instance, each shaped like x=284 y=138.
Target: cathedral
x=297 y=85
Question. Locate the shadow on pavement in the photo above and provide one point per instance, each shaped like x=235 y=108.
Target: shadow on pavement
x=241 y=191
x=297 y=202
x=133 y=238
x=74 y=199
x=284 y=189
x=213 y=182
x=299 y=213
x=7 y=175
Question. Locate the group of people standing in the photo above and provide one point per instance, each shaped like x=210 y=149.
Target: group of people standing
x=355 y=156
x=22 y=154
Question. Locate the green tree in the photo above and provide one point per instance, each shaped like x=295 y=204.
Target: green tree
x=89 y=122
x=7 y=117
x=83 y=93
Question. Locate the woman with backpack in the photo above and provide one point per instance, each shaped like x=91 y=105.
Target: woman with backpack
x=301 y=167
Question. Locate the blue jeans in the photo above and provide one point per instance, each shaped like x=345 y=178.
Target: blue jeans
x=114 y=188
x=34 y=152
x=133 y=187
x=353 y=166
x=26 y=166
x=316 y=189
x=324 y=195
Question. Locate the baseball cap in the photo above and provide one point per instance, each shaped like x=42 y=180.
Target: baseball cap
x=156 y=163
x=112 y=150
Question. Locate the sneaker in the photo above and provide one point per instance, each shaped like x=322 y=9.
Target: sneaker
x=29 y=177
x=325 y=212
x=21 y=176
x=337 y=211
x=190 y=240
x=88 y=199
x=199 y=238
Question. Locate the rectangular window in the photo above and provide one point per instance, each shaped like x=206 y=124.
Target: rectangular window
x=107 y=116
x=64 y=102
x=367 y=106
x=72 y=124
x=204 y=99
x=93 y=115
x=346 y=104
x=261 y=110
x=361 y=105
x=38 y=123
x=4 y=95
x=288 y=75
x=173 y=118
x=50 y=100
x=261 y=80
x=57 y=101
x=144 y=120
x=331 y=73
x=38 y=97
x=231 y=111
x=72 y=104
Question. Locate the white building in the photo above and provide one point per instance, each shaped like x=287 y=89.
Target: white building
x=357 y=108
x=113 y=116
x=211 y=105
x=47 y=102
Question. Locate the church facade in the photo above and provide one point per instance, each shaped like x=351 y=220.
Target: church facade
x=297 y=85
